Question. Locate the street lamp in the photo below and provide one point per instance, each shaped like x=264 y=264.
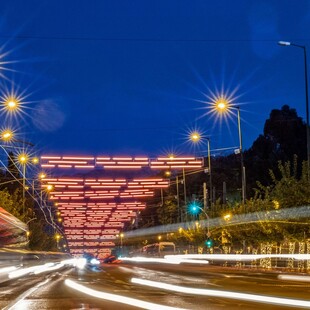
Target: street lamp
x=284 y=43
x=23 y=159
x=11 y=104
x=57 y=237
x=196 y=137
x=223 y=105
x=121 y=236
x=6 y=135
x=195 y=209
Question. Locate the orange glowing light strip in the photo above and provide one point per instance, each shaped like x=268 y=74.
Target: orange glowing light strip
x=132 y=163
x=100 y=197
x=122 y=167
x=105 y=186
x=50 y=157
x=62 y=182
x=78 y=158
x=64 y=166
x=195 y=162
x=186 y=166
x=148 y=179
x=66 y=195
x=176 y=162
x=68 y=180
x=103 y=158
x=66 y=162
x=87 y=166
x=175 y=158
x=75 y=186
x=122 y=158
x=141 y=158
x=113 y=183
x=157 y=162
x=104 y=180
x=105 y=162
x=153 y=186
x=47 y=166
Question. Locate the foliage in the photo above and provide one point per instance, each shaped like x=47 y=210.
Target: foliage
x=39 y=239
x=284 y=137
x=288 y=190
x=168 y=213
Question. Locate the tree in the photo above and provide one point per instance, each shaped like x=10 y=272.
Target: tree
x=168 y=212
x=284 y=136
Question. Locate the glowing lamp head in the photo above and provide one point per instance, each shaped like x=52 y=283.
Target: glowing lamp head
x=221 y=104
x=194 y=208
x=12 y=104
x=42 y=175
x=35 y=160
x=227 y=217
x=209 y=243
x=195 y=136
x=49 y=187
x=23 y=159
x=7 y=135
x=168 y=173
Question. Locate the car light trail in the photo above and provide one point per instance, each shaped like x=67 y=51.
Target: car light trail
x=294 y=278
x=171 y=260
x=117 y=298
x=7 y=269
x=237 y=257
x=224 y=294
x=150 y=260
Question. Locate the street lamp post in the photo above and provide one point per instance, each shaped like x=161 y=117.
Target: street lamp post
x=284 y=43
x=121 y=236
x=196 y=137
x=23 y=159
x=195 y=210
x=223 y=105
x=243 y=181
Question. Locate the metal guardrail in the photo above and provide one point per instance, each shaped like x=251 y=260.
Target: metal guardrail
x=273 y=215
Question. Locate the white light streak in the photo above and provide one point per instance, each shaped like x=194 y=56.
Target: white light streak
x=139 y=259
x=7 y=269
x=224 y=294
x=238 y=257
x=294 y=278
x=117 y=298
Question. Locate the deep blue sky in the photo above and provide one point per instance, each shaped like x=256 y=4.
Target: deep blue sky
x=131 y=77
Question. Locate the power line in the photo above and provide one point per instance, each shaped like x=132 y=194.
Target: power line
x=77 y=38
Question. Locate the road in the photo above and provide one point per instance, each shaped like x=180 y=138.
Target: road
x=50 y=291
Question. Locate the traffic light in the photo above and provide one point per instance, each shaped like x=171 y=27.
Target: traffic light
x=194 y=207
x=209 y=243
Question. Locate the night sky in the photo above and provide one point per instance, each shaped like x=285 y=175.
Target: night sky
x=134 y=77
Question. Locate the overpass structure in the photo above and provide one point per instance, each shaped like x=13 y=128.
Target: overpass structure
x=97 y=196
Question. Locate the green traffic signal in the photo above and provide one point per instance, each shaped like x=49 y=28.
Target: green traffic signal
x=209 y=243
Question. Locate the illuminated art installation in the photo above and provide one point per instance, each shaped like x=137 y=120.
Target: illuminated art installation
x=95 y=210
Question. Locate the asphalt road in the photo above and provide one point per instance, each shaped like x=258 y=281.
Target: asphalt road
x=50 y=291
